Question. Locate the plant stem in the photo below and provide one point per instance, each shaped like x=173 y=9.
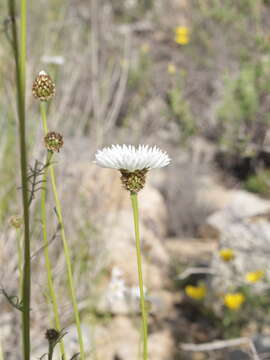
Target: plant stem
x=20 y=259
x=64 y=240
x=50 y=352
x=43 y=111
x=53 y=296
x=23 y=43
x=20 y=62
x=134 y=201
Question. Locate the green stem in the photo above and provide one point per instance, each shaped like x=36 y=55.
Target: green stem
x=134 y=201
x=23 y=42
x=43 y=111
x=20 y=62
x=20 y=259
x=65 y=243
x=50 y=352
x=53 y=296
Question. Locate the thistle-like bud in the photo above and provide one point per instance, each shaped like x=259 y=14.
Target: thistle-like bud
x=43 y=87
x=52 y=335
x=53 y=141
x=16 y=221
x=133 y=181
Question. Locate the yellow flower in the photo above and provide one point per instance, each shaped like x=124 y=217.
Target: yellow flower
x=181 y=40
x=254 y=276
x=171 y=69
x=181 y=35
x=234 y=300
x=195 y=292
x=226 y=254
x=182 y=30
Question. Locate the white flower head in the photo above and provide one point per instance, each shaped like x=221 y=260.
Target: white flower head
x=133 y=163
x=130 y=158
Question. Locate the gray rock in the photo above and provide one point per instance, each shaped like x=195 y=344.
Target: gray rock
x=244 y=226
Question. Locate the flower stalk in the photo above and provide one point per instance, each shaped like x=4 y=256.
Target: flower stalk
x=134 y=201
x=64 y=240
x=19 y=49
x=53 y=297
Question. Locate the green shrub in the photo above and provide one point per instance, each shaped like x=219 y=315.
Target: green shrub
x=179 y=109
x=244 y=114
x=259 y=183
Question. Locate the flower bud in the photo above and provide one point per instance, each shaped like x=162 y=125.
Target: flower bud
x=53 y=141
x=52 y=335
x=43 y=87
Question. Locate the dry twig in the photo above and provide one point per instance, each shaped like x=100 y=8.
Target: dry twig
x=195 y=270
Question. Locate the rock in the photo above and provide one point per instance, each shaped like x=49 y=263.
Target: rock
x=232 y=204
x=161 y=346
x=242 y=206
x=162 y=303
x=262 y=343
x=121 y=247
x=109 y=341
x=237 y=355
x=211 y=195
x=186 y=250
x=244 y=226
x=119 y=338
x=153 y=210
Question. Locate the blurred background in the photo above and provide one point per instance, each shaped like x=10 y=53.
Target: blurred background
x=192 y=77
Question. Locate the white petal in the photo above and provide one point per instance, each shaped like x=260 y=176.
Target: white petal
x=130 y=158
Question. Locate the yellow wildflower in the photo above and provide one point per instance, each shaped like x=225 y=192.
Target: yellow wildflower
x=254 y=276
x=234 y=300
x=195 y=292
x=181 y=35
x=226 y=254
x=171 y=69
x=182 y=30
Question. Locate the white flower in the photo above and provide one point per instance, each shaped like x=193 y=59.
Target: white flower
x=117 y=287
x=130 y=158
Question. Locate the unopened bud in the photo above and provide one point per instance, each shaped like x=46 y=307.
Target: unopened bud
x=43 y=87
x=53 y=141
